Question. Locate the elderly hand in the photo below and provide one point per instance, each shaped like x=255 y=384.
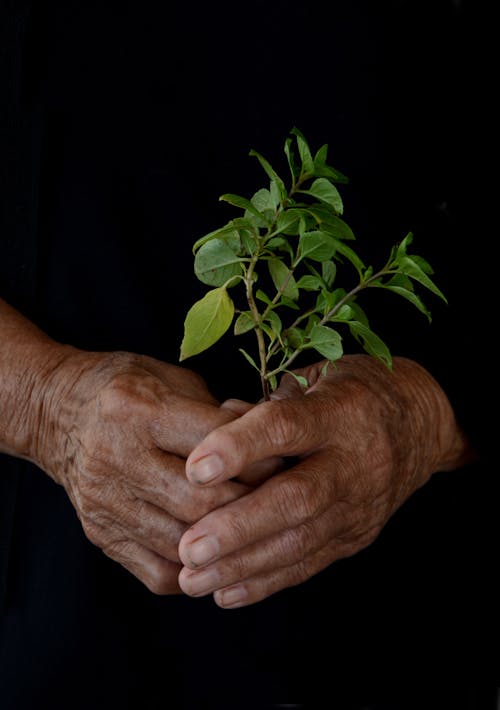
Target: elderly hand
x=114 y=429
x=364 y=440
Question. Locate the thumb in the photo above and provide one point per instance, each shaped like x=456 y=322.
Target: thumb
x=279 y=427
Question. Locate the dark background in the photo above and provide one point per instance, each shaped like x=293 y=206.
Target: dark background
x=124 y=122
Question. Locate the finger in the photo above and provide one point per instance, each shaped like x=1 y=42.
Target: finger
x=285 y=501
x=161 y=480
x=237 y=406
x=146 y=524
x=288 y=549
x=158 y=574
x=257 y=588
x=261 y=470
x=274 y=428
x=182 y=423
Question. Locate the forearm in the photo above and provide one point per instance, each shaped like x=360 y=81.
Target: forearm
x=28 y=359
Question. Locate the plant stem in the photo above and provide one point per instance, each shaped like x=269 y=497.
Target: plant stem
x=329 y=315
x=258 y=330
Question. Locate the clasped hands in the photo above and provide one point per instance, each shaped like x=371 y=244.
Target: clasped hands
x=238 y=500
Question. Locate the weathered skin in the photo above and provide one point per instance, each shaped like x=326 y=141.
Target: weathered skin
x=365 y=439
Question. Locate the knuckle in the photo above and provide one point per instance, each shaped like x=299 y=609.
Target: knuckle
x=297 y=500
x=296 y=543
x=160 y=581
x=280 y=422
x=236 y=530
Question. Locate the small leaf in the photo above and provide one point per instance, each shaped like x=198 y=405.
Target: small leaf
x=294 y=337
x=273 y=381
x=410 y=268
x=321 y=169
x=287 y=220
x=215 y=263
x=244 y=204
x=284 y=301
x=317 y=246
x=326 y=342
x=328 y=271
x=300 y=378
x=250 y=359
x=350 y=254
x=304 y=152
x=271 y=173
x=331 y=223
x=206 y=321
x=263 y=297
x=412 y=297
x=294 y=169
x=280 y=273
x=310 y=283
x=264 y=202
x=401 y=250
x=323 y=190
x=227 y=231
x=371 y=342
x=275 y=322
x=244 y=323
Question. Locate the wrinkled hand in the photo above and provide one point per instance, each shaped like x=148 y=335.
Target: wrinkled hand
x=115 y=429
x=365 y=439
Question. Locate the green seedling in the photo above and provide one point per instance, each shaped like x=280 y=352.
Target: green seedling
x=281 y=257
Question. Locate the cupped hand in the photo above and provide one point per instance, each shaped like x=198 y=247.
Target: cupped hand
x=364 y=439
x=114 y=430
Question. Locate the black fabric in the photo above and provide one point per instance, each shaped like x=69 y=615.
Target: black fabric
x=125 y=122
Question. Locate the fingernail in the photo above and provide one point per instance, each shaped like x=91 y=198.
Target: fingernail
x=203 y=550
x=206 y=469
x=232 y=596
x=199 y=583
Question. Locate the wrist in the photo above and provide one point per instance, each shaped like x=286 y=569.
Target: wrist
x=28 y=394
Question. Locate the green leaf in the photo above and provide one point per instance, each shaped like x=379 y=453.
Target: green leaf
x=290 y=155
x=371 y=342
x=294 y=337
x=304 y=152
x=328 y=271
x=273 y=381
x=243 y=204
x=284 y=301
x=281 y=273
x=287 y=220
x=331 y=223
x=300 y=378
x=263 y=297
x=310 y=283
x=206 y=321
x=244 y=323
x=409 y=267
x=275 y=322
x=344 y=313
x=323 y=190
x=215 y=263
x=401 y=250
x=271 y=173
x=264 y=202
x=321 y=169
x=424 y=265
x=412 y=297
x=349 y=254
x=228 y=231
x=250 y=359
x=326 y=342
x=317 y=246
